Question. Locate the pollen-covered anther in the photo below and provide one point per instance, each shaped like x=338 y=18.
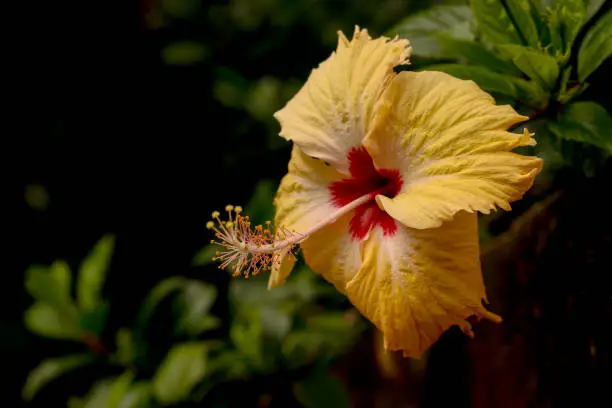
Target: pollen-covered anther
x=249 y=250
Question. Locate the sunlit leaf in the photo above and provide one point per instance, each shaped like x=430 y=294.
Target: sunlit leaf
x=46 y=320
x=596 y=47
x=93 y=273
x=321 y=390
x=49 y=370
x=585 y=122
x=494 y=23
x=537 y=65
x=488 y=80
x=421 y=28
x=182 y=369
x=193 y=305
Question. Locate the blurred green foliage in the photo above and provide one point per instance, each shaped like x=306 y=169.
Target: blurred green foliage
x=284 y=329
x=536 y=55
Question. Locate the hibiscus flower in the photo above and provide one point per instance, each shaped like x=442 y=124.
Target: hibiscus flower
x=387 y=174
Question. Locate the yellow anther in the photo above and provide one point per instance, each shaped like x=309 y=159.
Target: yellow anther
x=268 y=222
x=238 y=209
x=216 y=214
x=210 y=224
x=212 y=241
x=217 y=253
x=229 y=207
x=229 y=224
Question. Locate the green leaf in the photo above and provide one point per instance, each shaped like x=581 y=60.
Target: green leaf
x=585 y=122
x=275 y=323
x=205 y=256
x=565 y=18
x=125 y=346
x=494 y=23
x=229 y=364
x=94 y=320
x=118 y=389
x=537 y=65
x=97 y=397
x=93 y=273
x=62 y=276
x=329 y=334
x=46 y=320
x=488 y=80
x=423 y=27
x=474 y=53
x=49 y=370
x=596 y=47
x=531 y=93
x=261 y=208
x=156 y=295
x=183 y=368
x=569 y=90
x=192 y=306
x=592 y=6
x=50 y=285
x=321 y=390
x=137 y=396
x=246 y=333
x=521 y=14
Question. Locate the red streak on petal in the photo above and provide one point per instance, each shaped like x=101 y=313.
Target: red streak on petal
x=365 y=178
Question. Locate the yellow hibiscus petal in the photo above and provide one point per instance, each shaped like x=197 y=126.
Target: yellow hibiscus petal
x=449 y=140
x=280 y=271
x=416 y=284
x=302 y=199
x=333 y=253
x=333 y=111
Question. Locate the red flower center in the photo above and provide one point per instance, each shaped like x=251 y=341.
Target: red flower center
x=365 y=178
